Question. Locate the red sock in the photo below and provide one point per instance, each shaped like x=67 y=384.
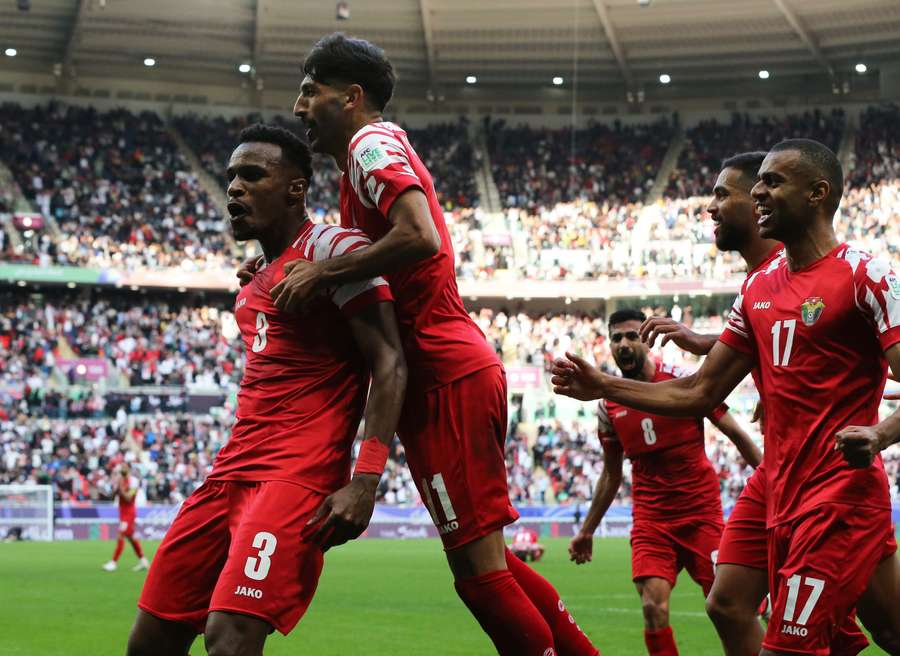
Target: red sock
x=506 y=614
x=136 y=546
x=120 y=544
x=569 y=638
x=660 y=642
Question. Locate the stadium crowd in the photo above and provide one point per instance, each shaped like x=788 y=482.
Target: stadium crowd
x=115 y=184
x=72 y=435
x=123 y=195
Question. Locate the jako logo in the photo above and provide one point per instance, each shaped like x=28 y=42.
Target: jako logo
x=443 y=529
x=549 y=652
x=244 y=591
x=794 y=630
x=762 y=305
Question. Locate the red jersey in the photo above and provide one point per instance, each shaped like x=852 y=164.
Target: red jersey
x=304 y=387
x=818 y=336
x=671 y=475
x=441 y=342
x=128 y=507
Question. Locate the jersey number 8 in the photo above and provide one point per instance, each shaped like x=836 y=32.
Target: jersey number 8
x=649 y=433
x=259 y=339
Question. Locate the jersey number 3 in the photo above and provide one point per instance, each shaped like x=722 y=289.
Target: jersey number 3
x=262 y=326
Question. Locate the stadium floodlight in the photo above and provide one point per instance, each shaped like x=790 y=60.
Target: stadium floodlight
x=11 y=52
x=665 y=78
x=244 y=68
x=861 y=68
x=471 y=79
x=764 y=75
x=149 y=61
x=558 y=80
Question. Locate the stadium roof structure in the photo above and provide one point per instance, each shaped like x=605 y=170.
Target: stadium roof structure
x=514 y=47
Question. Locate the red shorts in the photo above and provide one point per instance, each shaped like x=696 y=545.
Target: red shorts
x=454 y=441
x=126 y=526
x=662 y=549
x=236 y=546
x=820 y=564
x=744 y=539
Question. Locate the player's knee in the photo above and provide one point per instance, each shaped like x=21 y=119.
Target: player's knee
x=656 y=612
x=724 y=609
x=230 y=635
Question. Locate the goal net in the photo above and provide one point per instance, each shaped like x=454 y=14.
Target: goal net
x=26 y=510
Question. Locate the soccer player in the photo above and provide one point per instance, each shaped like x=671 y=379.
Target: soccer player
x=525 y=545
x=677 y=509
x=741 y=584
x=454 y=421
x=821 y=322
x=126 y=491
x=244 y=554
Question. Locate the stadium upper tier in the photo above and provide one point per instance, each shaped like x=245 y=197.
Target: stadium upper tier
x=128 y=192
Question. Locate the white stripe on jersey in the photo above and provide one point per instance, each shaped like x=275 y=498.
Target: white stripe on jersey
x=877 y=314
x=326 y=241
x=604 y=424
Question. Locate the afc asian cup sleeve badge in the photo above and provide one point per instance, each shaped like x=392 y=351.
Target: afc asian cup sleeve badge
x=811 y=310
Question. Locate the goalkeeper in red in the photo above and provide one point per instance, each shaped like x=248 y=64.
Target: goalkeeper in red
x=126 y=491
x=454 y=421
x=244 y=554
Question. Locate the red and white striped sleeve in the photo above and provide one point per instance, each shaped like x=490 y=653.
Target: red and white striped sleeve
x=380 y=167
x=328 y=241
x=738 y=334
x=877 y=295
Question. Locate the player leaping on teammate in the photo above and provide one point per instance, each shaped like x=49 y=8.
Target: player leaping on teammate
x=126 y=491
x=821 y=323
x=454 y=420
x=741 y=582
x=677 y=508
x=244 y=554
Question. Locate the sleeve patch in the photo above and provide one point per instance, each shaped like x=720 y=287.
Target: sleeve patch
x=893 y=286
x=373 y=157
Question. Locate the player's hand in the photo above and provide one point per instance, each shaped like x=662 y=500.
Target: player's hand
x=300 y=284
x=345 y=514
x=248 y=269
x=581 y=548
x=859 y=444
x=759 y=414
x=574 y=377
x=672 y=331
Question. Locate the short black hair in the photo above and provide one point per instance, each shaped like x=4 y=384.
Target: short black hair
x=747 y=163
x=293 y=148
x=626 y=314
x=339 y=58
x=822 y=160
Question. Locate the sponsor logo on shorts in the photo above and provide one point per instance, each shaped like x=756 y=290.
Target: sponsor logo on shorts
x=549 y=652
x=621 y=414
x=449 y=527
x=790 y=629
x=244 y=591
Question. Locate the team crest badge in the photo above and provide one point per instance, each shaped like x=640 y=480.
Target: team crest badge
x=812 y=309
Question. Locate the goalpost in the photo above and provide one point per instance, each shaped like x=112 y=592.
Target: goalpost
x=28 y=508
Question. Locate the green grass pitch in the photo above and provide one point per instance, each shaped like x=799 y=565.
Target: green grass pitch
x=375 y=597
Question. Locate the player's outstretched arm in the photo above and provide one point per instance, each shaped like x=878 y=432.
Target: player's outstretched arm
x=347 y=512
x=860 y=444
x=690 y=396
x=896 y=395
x=413 y=237
x=581 y=548
x=672 y=331
x=740 y=438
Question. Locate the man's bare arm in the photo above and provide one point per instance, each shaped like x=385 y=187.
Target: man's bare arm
x=413 y=237
x=860 y=444
x=347 y=512
x=690 y=396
